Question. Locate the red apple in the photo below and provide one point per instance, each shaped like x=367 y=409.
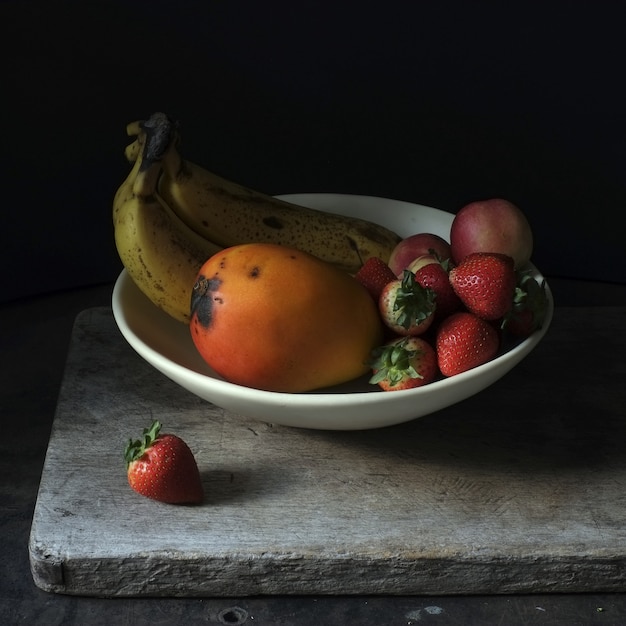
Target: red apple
x=494 y=225
x=415 y=246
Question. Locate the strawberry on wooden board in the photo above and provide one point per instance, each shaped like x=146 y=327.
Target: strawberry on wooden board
x=485 y=283
x=162 y=467
x=530 y=305
x=406 y=307
x=465 y=341
x=404 y=363
x=374 y=275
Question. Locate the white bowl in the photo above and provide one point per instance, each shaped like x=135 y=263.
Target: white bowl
x=166 y=345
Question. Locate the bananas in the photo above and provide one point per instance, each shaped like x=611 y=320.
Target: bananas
x=230 y=214
x=160 y=253
x=171 y=215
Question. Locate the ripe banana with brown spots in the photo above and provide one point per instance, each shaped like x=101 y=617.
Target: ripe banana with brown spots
x=159 y=251
x=230 y=214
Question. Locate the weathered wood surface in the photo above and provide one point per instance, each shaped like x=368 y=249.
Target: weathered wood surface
x=521 y=488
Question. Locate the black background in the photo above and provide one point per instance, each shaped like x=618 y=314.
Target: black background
x=438 y=103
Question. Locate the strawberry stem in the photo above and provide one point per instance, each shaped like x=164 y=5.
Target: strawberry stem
x=530 y=295
x=135 y=449
x=393 y=362
x=414 y=303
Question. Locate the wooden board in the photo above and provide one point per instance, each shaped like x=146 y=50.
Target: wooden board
x=521 y=488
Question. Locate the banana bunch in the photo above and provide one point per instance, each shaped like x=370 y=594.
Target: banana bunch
x=171 y=215
x=159 y=251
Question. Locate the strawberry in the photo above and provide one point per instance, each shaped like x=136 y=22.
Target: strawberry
x=162 y=467
x=374 y=275
x=406 y=307
x=404 y=363
x=485 y=283
x=435 y=276
x=529 y=306
x=464 y=341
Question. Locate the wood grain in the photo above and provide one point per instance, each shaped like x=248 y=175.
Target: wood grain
x=518 y=489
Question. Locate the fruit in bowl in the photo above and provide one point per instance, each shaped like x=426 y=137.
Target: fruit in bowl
x=180 y=340
x=494 y=225
x=276 y=318
x=417 y=245
x=166 y=344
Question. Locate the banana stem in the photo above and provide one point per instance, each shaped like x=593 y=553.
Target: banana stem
x=134 y=128
x=173 y=163
x=160 y=131
x=132 y=151
x=146 y=179
x=154 y=138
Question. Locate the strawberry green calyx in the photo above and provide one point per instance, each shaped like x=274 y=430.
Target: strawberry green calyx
x=393 y=362
x=135 y=449
x=446 y=263
x=413 y=301
x=530 y=301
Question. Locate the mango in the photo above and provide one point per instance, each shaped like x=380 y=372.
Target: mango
x=276 y=318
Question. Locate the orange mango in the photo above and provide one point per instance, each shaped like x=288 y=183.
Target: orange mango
x=276 y=318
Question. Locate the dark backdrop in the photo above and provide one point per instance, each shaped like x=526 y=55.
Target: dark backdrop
x=438 y=103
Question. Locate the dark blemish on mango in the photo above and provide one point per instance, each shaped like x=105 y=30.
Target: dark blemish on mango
x=255 y=272
x=273 y=222
x=202 y=299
